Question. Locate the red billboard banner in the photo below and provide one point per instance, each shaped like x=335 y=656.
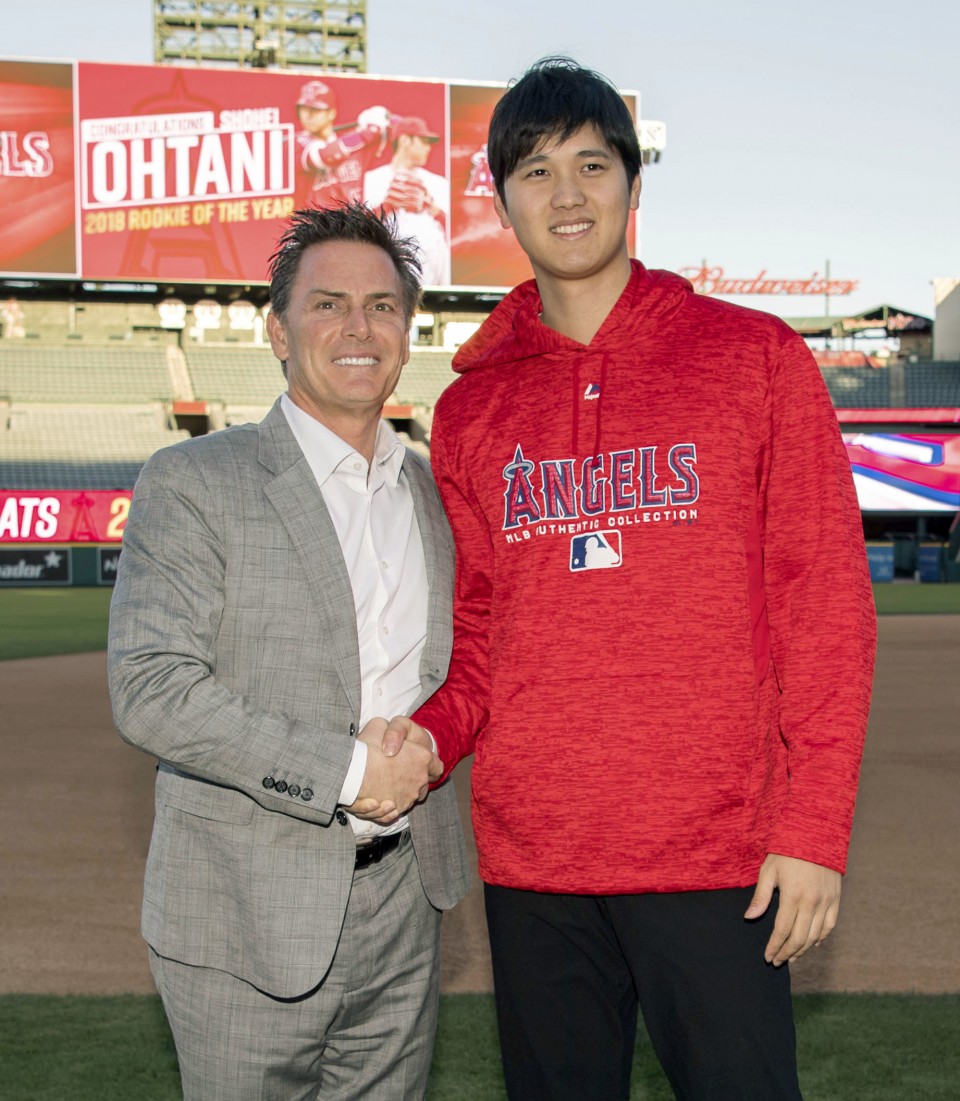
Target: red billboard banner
x=37 y=192
x=483 y=253
x=185 y=175
x=63 y=516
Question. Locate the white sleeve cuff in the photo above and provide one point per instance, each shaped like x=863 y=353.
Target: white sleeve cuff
x=354 y=778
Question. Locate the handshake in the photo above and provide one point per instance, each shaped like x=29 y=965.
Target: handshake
x=401 y=765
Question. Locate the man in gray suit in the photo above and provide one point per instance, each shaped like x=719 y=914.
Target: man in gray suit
x=284 y=589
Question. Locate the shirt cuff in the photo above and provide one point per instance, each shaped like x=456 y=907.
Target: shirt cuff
x=433 y=740
x=354 y=778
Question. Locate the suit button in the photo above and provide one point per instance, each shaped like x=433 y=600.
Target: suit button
x=281 y=786
x=294 y=790
x=306 y=795
x=341 y=818
x=268 y=782
x=353 y=730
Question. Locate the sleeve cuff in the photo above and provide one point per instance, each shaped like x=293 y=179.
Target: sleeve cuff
x=354 y=778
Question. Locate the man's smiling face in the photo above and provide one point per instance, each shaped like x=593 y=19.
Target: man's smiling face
x=343 y=335
x=568 y=203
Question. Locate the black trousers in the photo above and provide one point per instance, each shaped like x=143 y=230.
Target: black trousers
x=570 y=971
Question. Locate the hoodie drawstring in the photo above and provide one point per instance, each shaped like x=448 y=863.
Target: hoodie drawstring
x=577 y=398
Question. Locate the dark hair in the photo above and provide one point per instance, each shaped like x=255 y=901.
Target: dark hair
x=346 y=222
x=553 y=99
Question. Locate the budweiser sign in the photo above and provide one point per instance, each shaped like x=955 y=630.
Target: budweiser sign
x=713 y=280
x=893 y=323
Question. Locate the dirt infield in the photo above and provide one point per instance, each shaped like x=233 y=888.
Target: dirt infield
x=77 y=807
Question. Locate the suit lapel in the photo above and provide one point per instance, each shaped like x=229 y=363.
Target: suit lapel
x=294 y=494
x=438 y=558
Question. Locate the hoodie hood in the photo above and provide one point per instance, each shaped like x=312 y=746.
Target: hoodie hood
x=514 y=331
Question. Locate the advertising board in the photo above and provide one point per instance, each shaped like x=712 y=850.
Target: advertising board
x=63 y=516
x=108 y=560
x=185 y=174
x=905 y=473
x=37 y=181
x=29 y=566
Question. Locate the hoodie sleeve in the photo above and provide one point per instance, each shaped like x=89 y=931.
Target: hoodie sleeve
x=820 y=608
x=458 y=711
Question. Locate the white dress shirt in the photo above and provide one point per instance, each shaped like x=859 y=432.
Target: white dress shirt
x=372 y=512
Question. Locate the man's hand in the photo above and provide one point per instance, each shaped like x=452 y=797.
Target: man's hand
x=368 y=808
x=392 y=784
x=402 y=729
x=808 y=906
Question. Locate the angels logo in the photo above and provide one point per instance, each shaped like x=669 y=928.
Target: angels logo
x=614 y=482
x=25 y=154
x=481 y=178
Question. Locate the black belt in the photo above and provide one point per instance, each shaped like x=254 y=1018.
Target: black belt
x=372 y=852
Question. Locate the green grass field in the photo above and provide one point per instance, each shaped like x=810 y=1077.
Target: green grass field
x=852 y=1047
x=913 y=599
x=864 y=1047
x=40 y=622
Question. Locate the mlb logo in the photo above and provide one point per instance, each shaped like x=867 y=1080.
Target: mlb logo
x=600 y=550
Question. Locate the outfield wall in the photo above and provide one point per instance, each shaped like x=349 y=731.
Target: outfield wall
x=58 y=564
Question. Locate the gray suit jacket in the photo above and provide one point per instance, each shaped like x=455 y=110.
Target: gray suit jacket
x=233 y=656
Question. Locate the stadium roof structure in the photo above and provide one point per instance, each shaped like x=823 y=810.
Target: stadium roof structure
x=325 y=35
x=891 y=320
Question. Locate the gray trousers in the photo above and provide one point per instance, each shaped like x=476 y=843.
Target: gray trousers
x=367 y=1030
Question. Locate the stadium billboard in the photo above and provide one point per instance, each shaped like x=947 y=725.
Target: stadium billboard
x=184 y=175
x=63 y=516
x=905 y=473
x=37 y=179
x=25 y=566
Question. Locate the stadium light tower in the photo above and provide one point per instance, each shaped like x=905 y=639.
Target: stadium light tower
x=330 y=35
x=652 y=135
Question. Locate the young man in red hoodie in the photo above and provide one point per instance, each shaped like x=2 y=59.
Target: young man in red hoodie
x=664 y=636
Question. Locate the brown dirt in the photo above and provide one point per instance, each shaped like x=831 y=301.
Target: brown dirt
x=77 y=807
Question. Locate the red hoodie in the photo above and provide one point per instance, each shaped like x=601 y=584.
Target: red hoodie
x=664 y=627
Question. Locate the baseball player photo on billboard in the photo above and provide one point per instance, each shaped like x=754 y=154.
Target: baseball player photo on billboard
x=418 y=199
x=333 y=159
